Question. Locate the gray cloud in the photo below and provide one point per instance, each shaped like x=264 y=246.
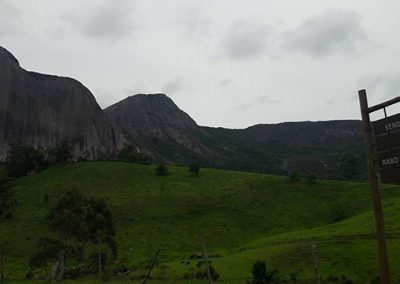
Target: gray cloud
x=382 y=86
x=333 y=31
x=111 y=20
x=256 y=103
x=246 y=40
x=226 y=82
x=173 y=86
x=9 y=18
x=194 y=21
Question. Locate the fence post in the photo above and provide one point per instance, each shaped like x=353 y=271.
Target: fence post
x=316 y=263
x=2 y=278
x=203 y=246
x=153 y=261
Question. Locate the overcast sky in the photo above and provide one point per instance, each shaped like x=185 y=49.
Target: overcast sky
x=224 y=62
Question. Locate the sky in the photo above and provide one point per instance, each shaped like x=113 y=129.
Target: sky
x=227 y=63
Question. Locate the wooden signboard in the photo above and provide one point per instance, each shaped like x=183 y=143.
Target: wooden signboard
x=387 y=139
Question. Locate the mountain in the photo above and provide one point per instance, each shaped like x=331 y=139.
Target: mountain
x=173 y=136
x=306 y=147
x=167 y=132
x=44 y=110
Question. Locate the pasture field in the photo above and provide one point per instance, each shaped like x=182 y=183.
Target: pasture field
x=244 y=217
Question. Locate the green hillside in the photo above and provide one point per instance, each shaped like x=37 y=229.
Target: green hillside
x=244 y=217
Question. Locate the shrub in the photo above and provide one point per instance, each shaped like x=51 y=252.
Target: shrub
x=311 y=179
x=294 y=176
x=129 y=154
x=259 y=272
x=161 y=170
x=261 y=275
x=8 y=198
x=194 y=169
x=22 y=159
x=348 y=165
x=202 y=271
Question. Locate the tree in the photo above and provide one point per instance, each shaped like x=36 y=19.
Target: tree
x=48 y=249
x=22 y=159
x=348 y=165
x=194 y=169
x=7 y=197
x=161 y=170
x=80 y=222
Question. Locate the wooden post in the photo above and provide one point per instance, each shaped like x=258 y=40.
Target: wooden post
x=153 y=261
x=60 y=267
x=2 y=264
x=99 y=260
x=203 y=247
x=316 y=263
x=373 y=180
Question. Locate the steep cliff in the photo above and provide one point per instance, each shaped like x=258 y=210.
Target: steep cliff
x=43 y=111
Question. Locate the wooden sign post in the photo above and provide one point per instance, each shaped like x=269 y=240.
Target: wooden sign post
x=387 y=139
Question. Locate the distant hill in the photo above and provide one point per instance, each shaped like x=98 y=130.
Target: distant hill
x=173 y=136
x=44 y=110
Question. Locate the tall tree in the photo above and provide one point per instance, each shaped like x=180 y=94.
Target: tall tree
x=348 y=165
x=7 y=196
x=76 y=218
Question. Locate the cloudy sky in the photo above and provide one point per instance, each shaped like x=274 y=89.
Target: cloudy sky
x=226 y=63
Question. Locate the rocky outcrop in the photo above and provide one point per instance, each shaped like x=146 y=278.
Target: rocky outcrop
x=43 y=111
x=156 y=121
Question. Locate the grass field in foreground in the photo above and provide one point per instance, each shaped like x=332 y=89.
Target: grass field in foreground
x=244 y=217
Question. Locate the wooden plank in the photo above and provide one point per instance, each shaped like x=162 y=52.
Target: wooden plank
x=387 y=125
x=382 y=105
x=391 y=175
x=389 y=159
x=387 y=141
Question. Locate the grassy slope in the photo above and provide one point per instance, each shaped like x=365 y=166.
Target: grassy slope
x=244 y=217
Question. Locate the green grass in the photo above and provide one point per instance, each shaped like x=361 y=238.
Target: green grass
x=244 y=217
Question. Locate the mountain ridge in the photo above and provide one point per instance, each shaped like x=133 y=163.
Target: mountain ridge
x=44 y=110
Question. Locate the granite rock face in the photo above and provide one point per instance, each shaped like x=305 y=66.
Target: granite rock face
x=157 y=121
x=44 y=110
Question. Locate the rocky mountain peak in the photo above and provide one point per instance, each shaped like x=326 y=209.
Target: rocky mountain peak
x=43 y=111
x=151 y=111
x=6 y=55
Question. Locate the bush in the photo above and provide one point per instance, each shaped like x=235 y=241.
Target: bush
x=294 y=176
x=259 y=272
x=348 y=165
x=311 y=179
x=8 y=198
x=161 y=170
x=22 y=159
x=129 y=154
x=261 y=275
x=200 y=272
x=194 y=169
